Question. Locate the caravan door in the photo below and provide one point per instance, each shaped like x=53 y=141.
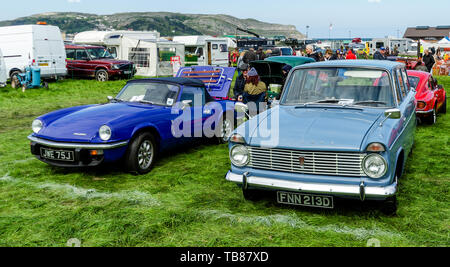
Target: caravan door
x=219 y=53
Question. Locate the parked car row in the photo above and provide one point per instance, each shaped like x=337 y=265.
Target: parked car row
x=342 y=129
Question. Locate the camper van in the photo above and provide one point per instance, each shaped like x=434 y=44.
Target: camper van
x=3 y=76
x=33 y=45
x=151 y=55
x=204 y=50
x=404 y=45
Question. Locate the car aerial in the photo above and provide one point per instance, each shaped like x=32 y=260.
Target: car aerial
x=96 y=62
x=343 y=129
x=135 y=126
x=431 y=96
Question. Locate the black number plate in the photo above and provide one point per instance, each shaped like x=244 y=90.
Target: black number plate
x=307 y=200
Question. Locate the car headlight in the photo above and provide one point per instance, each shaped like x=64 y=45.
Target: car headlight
x=105 y=133
x=37 y=126
x=374 y=166
x=115 y=67
x=239 y=155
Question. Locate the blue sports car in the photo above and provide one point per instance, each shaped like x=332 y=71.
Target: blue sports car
x=146 y=117
x=342 y=129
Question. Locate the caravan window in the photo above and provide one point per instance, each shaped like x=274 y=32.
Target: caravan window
x=223 y=48
x=166 y=53
x=113 y=51
x=215 y=46
x=380 y=45
x=139 y=56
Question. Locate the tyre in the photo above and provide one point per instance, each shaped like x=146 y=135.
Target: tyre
x=102 y=76
x=432 y=118
x=226 y=129
x=444 y=107
x=390 y=206
x=141 y=154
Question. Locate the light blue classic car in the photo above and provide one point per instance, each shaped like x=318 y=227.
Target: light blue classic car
x=342 y=129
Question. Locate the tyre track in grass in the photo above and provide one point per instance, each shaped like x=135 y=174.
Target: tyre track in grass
x=73 y=192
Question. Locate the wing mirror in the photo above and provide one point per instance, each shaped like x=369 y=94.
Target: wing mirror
x=186 y=104
x=110 y=98
x=394 y=114
x=241 y=107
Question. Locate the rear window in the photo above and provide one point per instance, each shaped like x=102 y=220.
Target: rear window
x=414 y=81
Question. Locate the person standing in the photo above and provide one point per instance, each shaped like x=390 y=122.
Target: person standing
x=380 y=54
x=254 y=90
x=260 y=54
x=240 y=62
x=350 y=55
x=234 y=57
x=250 y=56
x=428 y=59
x=311 y=54
x=239 y=85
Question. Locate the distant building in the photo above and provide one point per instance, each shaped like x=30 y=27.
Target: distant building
x=426 y=32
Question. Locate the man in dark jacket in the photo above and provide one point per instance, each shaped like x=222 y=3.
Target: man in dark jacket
x=380 y=54
x=250 y=56
x=260 y=54
x=428 y=59
x=239 y=85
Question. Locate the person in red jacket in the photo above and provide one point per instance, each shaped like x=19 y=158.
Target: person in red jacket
x=350 y=55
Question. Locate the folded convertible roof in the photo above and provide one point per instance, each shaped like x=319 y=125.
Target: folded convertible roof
x=173 y=80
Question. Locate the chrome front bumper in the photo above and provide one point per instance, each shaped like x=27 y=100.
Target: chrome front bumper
x=53 y=144
x=424 y=112
x=362 y=191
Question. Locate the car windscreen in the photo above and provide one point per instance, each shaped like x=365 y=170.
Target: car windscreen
x=414 y=81
x=340 y=86
x=98 y=53
x=286 y=51
x=151 y=93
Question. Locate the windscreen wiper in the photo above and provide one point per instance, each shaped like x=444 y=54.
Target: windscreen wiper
x=370 y=102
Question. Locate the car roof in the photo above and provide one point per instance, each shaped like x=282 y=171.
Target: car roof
x=291 y=60
x=420 y=74
x=172 y=80
x=379 y=64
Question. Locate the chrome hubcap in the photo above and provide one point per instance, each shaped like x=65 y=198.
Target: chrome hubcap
x=145 y=155
x=102 y=76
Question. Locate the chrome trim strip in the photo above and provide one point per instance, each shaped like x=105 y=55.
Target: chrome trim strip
x=333 y=189
x=424 y=112
x=76 y=145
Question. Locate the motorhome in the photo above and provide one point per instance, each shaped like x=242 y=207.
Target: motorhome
x=151 y=54
x=3 y=76
x=205 y=50
x=404 y=45
x=33 y=45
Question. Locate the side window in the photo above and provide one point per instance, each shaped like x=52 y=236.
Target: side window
x=81 y=54
x=401 y=83
x=113 y=51
x=200 y=52
x=223 y=48
x=406 y=81
x=70 y=54
x=215 y=46
x=195 y=94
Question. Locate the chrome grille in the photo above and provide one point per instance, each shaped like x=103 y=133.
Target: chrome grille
x=319 y=163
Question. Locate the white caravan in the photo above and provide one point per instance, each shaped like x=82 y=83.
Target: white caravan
x=404 y=45
x=150 y=53
x=37 y=45
x=210 y=51
x=3 y=76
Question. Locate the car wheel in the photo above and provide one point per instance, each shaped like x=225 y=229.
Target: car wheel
x=251 y=194
x=431 y=119
x=444 y=107
x=102 y=76
x=141 y=154
x=226 y=129
x=390 y=206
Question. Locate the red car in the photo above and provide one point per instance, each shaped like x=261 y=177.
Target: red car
x=96 y=62
x=431 y=97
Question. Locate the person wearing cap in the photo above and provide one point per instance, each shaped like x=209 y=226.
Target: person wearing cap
x=380 y=54
x=255 y=89
x=239 y=85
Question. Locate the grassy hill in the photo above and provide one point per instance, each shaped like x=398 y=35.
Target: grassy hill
x=168 y=24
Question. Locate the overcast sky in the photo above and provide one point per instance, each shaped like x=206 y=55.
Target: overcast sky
x=355 y=18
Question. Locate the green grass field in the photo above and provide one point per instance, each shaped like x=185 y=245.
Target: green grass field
x=185 y=200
